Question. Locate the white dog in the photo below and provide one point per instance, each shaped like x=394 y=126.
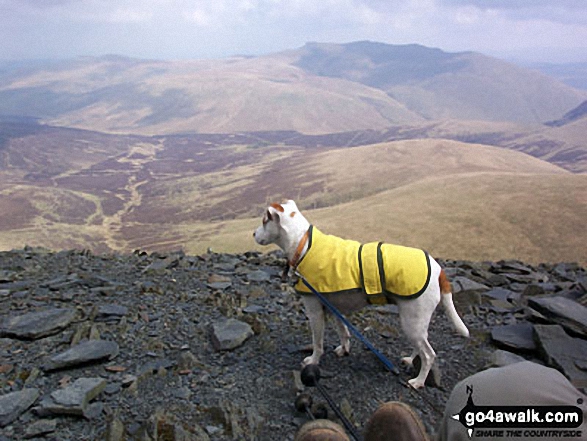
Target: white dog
x=351 y=276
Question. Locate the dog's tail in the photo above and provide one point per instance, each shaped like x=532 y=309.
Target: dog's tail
x=449 y=307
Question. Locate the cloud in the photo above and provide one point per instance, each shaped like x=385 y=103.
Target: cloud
x=204 y=28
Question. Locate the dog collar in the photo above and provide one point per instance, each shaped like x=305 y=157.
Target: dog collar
x=295 y=260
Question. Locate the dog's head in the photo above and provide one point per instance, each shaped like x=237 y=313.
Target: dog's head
x=281 y=223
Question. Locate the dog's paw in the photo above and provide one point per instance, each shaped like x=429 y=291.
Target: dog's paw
x=407 y=361
x=341 y=351
x=416 y=383
x=310 y=360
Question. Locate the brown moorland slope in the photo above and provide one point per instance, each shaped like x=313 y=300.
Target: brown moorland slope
x=193 y=192
x=480 y=216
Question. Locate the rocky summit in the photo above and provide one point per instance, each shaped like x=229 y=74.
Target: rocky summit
x=177 y=347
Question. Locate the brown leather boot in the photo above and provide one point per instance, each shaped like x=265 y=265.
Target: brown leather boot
x=321 y=430
x=395 y=421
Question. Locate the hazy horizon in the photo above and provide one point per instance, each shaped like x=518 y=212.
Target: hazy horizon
x=525 y=30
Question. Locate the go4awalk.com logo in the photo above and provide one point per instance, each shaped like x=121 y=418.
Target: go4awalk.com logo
x=520 y=421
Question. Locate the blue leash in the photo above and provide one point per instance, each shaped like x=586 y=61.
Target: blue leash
x=388 y=364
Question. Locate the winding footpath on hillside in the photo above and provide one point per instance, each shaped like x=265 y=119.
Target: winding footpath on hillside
x=176 y=347
x=137 y=157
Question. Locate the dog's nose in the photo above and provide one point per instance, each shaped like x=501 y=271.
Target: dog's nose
x=253 y=234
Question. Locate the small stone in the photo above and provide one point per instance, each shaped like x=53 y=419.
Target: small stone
x=115 y=431
x=86 y=352
x=13 y=404
x=40 y=428
x=75 y=398
x=187 y=361
x=462 y=284
x=230 y=334
x=36 y=325
x=111 y=312
x=502 y=294
x=253 y=309
x=258 y=276
x=219 y=282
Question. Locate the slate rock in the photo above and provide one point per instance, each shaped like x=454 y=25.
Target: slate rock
x=564 y=311
x=527 y=278
x=563 y=352
x=503 y=295
x=230 y=334
x=258 y=276
x=12 y=405
x=115 y=431
x=111 y=312
x=75 y=398
x=219 y=282
x=463 y=284
x=519 y=336
x=40 y=428
x=501 y=358
x=86 y=352
x=512 y=266
x=36 y=325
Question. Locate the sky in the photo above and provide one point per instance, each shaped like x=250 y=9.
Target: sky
x=521 y=30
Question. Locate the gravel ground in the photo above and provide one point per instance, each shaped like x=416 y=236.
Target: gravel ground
x=169 y=381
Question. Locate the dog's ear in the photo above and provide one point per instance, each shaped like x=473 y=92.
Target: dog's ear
x=273 y=212
x=278 y=207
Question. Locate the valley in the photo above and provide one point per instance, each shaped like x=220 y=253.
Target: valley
x=464 y=155
x=195 y=192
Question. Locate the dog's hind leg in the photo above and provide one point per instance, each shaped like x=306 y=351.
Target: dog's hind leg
x=427 y=355
x=409 y=361
x=345 y=339
x=315 y=314
x=414 y=319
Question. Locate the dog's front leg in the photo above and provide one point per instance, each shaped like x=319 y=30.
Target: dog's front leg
x=315 y=314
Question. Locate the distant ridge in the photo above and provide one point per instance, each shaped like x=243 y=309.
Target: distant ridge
x=378 y=65
x=569 y=117
x=316 y=89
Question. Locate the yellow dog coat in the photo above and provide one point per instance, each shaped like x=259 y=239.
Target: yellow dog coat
x=334 y=265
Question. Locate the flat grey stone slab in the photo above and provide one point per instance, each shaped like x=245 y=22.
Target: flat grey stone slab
x=501 y=358
x=75 y=398
x=40 y=428
x=230 y=334
x=86 y=352
x=563 y=311
x=462 y=284
x=517 y=337
x=36 y=325
x=12 y=405
x=258 y=276
x=563 y=352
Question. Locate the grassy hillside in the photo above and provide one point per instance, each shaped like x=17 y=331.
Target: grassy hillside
x=64 y=188
x=481 y=216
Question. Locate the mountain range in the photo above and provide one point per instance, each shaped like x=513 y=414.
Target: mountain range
x=319 y=88
x=464 y=155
